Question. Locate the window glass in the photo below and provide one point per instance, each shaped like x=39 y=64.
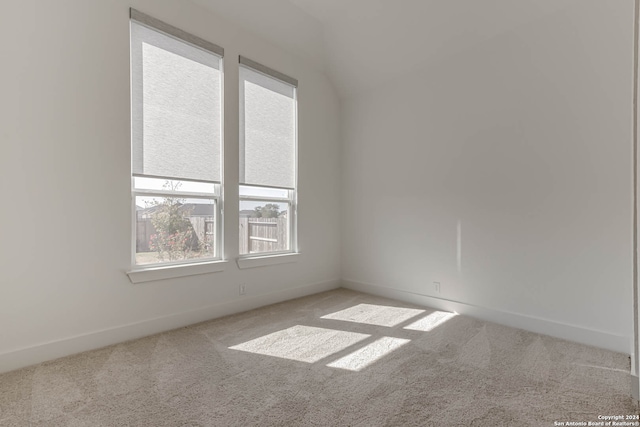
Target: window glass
x=170 y=229
x=264 y=227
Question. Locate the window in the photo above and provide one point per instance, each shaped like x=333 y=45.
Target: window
x=268 y=140
x=176 y=144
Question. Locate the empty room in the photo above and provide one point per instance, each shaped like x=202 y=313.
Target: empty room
x=319 y=213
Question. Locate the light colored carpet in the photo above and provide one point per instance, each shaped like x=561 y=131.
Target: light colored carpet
x=338 y=358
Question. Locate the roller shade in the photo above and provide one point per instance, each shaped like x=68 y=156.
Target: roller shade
x=267 y=128
x=176 y=104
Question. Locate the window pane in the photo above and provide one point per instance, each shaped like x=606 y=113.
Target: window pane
x=267 y=130
x=144 y=183
x=176 y=107
x=170 y=229
x=264 y=227
x=263 y=192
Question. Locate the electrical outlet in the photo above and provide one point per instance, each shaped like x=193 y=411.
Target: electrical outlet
x=436 y=287
x=242 y=289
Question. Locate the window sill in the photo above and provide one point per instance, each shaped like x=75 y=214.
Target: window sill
x=172 y=271
x=263 y=261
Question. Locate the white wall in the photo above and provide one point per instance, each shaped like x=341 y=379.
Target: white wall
x=64 y=166
x=525 y=141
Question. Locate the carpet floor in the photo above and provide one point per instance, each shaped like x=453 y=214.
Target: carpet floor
x=338 y=358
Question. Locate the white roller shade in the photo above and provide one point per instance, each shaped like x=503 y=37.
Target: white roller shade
x=176 y=107
x=267 y=130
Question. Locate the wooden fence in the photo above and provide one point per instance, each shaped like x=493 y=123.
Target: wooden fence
x=203 y=227
x=256 y=234
x=144 y=230
x=263 y=234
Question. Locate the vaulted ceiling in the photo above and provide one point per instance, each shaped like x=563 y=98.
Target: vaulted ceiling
x=363 y=43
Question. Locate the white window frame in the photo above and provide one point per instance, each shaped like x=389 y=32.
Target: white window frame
x=215 y=196
x=178 y=268
x=291 y=200
x=292 y=193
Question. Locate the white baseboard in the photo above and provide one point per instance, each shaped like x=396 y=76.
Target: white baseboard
x=32 y=355
x=595 y=338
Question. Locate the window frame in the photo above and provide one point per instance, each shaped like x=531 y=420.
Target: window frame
x=292 y=193
x=177 y=268
x=215 y=196
x=292 y=212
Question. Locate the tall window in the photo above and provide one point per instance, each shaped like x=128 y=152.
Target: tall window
x=176 y=144
x=268 y=142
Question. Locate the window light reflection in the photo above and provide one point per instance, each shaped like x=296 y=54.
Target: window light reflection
x=302 y=343
x=379 y=315
x=368 y=354
x=431 y=321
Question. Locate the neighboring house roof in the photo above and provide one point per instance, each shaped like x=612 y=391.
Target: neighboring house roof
x=199 y=209
x=194 y=209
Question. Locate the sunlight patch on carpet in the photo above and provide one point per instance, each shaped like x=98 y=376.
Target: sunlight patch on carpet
x=302 y=343
x=431 y=321
x=370 y=314
x=368 y=354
